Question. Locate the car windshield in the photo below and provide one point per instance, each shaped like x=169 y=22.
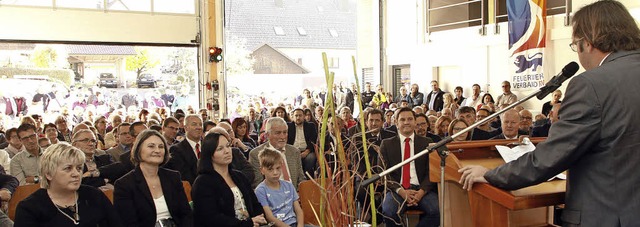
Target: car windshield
x=106 y=75
x=146 y=76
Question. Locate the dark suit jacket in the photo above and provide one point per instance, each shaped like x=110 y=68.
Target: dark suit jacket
x=392 y=154
x=310 y=134
x=357 y=157
x=213 y=200
x=479 y=134
x=438 y=103
x=132 y=198
x=100 y=160
x=240 y=163
x=184 y=160
x=596 y=138
x=541 y=131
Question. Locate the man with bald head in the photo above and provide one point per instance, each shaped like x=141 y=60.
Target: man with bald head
x=526 y=122
x=543 y=130
x=510 y=125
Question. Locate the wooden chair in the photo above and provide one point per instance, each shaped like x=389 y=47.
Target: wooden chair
x=187 y=189
x=410 y=212
x=109 y=194
x=310 y=195
x=21 y=193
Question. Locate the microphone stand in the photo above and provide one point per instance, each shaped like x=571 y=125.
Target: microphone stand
x=441 y=148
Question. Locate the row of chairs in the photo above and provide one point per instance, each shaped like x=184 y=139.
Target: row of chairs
x=309 y=193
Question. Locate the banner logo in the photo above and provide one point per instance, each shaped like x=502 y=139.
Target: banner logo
x=527 y=26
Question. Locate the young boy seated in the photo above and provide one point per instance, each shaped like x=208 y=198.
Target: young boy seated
x=278 y=197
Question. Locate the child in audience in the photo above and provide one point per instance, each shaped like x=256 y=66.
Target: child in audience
x=278 y=197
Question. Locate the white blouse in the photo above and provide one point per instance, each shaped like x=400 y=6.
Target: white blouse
x=162 y=210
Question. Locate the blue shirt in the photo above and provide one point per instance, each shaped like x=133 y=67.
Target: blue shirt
x=279 y=200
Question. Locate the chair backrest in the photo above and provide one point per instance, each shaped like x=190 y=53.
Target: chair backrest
x=109 y=194
x=310 y=196
x=21 y=193
x=187 y=189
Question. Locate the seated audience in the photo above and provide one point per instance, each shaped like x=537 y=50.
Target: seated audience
x=63 y=200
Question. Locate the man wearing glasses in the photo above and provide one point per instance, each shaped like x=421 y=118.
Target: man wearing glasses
x=24 y=166
x=596 y=136
x=124 y=142
x=85 y=140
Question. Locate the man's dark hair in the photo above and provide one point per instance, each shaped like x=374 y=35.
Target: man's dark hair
x=124 y=124
x=133 y=125
x=11 y=131
x=404 y=109
x=466 y=109
x=179 y=116
x=26 y=127
x=423 y=116
x=607 y=25
x=169 y=120
x=375 y=111
x=458 y=88
x=49 y=125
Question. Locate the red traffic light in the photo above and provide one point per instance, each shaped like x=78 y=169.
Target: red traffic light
x=215 y=54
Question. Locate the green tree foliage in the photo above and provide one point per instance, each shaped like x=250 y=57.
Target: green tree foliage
x=141 y=63
x=49 y=56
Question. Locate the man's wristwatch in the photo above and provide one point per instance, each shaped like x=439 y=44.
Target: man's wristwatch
x=36 y=179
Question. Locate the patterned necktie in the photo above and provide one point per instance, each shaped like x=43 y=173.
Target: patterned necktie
x=198 y=150
x=283 y=167
x=406 y=175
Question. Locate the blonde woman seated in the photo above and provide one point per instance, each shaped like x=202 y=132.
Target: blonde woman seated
x=456 y=126
x=62 y=200
x=150 y=195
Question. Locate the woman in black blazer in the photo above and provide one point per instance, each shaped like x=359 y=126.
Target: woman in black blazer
x=214 y=201
x=149 y=194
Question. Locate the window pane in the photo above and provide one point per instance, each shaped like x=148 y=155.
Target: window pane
x=82 y=4
x=27 y=2
x=129 y=5
x=174 y=6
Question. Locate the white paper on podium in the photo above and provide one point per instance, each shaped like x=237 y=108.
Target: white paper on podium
x=510 y=154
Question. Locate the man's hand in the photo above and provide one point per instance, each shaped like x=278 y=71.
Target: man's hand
x=305 y=153
x=5 y=194
x=472 y=174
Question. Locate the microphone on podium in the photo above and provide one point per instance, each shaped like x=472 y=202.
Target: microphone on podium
x=556 y=81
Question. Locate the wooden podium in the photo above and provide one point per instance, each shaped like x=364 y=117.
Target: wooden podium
x=486 y=205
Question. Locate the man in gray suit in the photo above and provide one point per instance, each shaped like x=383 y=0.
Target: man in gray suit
x=124 y=142
x=596 y=137
x=277 y=132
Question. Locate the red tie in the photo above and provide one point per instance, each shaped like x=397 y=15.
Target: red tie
x=406 y=175
x=198 y=150
x=283 y=167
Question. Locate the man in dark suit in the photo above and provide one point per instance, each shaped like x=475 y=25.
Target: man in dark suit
x=510 y=125
x=374 y=136
x=596 y=137
x=184 y=155
x=543 y=130
x=422 y=126
x=409 y=186
x=434 y=99
x=303 y=136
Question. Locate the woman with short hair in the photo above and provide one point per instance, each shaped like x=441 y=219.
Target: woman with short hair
x=62 y=200
x=150 y=195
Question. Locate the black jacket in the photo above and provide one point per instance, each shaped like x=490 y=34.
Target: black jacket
x=132 y=198
x=100 y=160
x=213 y=200
x=95 y=210
x=184 y=160
x=310 y=134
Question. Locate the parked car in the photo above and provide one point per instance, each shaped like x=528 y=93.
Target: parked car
x=108 y=80
x=148 y=80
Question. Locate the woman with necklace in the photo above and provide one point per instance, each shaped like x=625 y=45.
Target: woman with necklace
x=223 y=196
x=62 y=200
x=150 y=195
